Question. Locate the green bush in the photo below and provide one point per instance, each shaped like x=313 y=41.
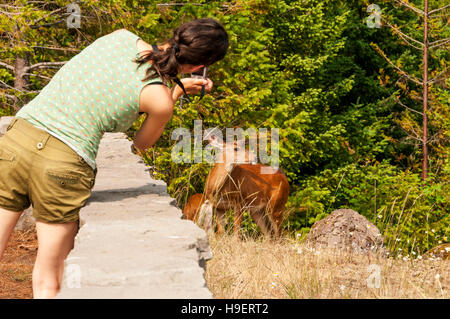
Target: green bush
x=412 y=217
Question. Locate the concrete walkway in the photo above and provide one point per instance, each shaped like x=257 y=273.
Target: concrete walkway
x=133 y=242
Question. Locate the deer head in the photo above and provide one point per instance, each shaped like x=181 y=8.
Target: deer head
x=231 y=153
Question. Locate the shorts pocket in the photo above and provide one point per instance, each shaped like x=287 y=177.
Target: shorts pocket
x=63 y=178
x=60 y=193
x=69 y=179
x=6 y=155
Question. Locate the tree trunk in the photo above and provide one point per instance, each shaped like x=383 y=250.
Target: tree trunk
x=21 y=81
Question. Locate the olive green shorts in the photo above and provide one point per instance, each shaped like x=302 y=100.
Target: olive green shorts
x=39 y=169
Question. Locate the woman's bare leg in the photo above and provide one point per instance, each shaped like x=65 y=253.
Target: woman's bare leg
x=55 y=241
x=8 y=221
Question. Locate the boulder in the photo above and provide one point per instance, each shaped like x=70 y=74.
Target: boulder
x=26 y=220
x=346 y=229
x=442 y=252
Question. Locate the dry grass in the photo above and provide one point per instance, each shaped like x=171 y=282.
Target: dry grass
x=267 y=269
x=17 y=265
x=253 y=268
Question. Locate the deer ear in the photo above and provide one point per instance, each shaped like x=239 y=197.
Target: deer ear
x=214 y=141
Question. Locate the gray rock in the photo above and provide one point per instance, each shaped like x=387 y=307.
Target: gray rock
x=346 y=229
x=4 y=122
x=132 y=242
x=26 y=220
x=441 y=251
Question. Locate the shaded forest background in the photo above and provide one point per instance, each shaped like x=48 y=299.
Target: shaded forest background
x=349 y=120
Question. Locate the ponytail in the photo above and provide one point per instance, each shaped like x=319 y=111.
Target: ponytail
x=198 y=42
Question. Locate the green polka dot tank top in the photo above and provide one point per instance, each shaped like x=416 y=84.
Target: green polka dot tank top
x=96 y=91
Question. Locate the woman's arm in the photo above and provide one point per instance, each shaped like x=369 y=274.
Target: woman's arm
x=156 y=101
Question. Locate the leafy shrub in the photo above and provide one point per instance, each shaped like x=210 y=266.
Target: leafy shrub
x=410 y=215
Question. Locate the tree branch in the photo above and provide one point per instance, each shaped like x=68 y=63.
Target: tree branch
x=46 y=25
x=410 y=7
x=185 y=4
x=9 y=96
x=433 y=138
x=45 y=65
x=10 y=6
x=12 y=98
x=438 y=9
x=404 y=36
x=417 y=137
x=437 y=76
x=399 y=102
x=10 y=13
x=47 y=15
x=6 y=85
x=38 y=75
x=178 y=4
x=438 y=43
x=53 y=48
x=410 y=77
x=5 y=65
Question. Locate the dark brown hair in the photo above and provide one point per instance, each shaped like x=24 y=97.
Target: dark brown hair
x=198 y=42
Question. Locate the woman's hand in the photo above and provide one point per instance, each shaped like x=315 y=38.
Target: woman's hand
x=192 y=86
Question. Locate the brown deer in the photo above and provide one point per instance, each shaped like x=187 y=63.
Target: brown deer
x=241 y=185
x=192 y=207
x=199 y=211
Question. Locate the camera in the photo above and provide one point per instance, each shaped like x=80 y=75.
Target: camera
x=200 y=74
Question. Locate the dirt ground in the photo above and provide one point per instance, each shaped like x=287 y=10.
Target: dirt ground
x=17 y=265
